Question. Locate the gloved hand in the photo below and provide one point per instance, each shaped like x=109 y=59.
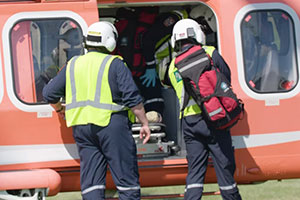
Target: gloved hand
x=149 y=77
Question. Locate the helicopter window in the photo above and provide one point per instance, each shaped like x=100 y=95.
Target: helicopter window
x=39 y=49
x=268 y=43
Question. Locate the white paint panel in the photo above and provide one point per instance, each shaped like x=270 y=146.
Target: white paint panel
x=259 y=140
x=1 y=80
x=17 y=154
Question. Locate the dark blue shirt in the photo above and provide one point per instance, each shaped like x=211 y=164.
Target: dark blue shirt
x=221 y=64
x=124 y=90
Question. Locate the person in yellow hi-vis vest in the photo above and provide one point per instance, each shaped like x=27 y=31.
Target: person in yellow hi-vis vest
x=158 y=53
x=101 y=101
x=201 y=140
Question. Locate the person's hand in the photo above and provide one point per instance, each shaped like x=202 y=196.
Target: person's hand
x=61 y=111
x=59 y=108
x=145 y=133
x=149 y=77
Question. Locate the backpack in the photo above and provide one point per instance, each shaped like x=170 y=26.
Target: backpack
x=132 y=24
x=209 y=88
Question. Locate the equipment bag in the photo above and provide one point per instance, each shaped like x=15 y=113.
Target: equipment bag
x=209 y=88
x=132 y=24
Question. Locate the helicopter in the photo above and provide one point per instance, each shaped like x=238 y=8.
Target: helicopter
x=257 y=38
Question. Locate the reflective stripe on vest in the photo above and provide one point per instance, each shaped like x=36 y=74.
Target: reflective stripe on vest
x=86 y=103
x=192 y=108
x=96 y=103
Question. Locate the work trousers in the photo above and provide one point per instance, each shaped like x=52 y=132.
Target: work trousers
x=114 y=146
x=200 y=143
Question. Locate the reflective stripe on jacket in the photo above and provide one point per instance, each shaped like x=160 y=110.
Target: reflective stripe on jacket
x=88 y=94
x=192 y=108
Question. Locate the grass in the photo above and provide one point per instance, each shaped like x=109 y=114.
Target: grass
x=270 y=190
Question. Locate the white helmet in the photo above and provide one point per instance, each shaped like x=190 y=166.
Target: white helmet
x=102 y=34
x=187 y=28
x=206 y=12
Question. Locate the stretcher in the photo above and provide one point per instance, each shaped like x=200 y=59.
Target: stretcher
x=157 y=146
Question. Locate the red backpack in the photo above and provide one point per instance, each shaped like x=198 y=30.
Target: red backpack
x=209 y=88
x=132 y=24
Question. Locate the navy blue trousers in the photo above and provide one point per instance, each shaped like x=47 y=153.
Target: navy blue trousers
x=200 y=143
x=111 y=146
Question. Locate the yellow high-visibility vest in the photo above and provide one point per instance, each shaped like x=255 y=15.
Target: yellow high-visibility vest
x=88 y=94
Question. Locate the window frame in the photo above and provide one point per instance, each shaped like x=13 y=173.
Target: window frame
x=269 y=98
x=43 y=110
x=1 y=79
